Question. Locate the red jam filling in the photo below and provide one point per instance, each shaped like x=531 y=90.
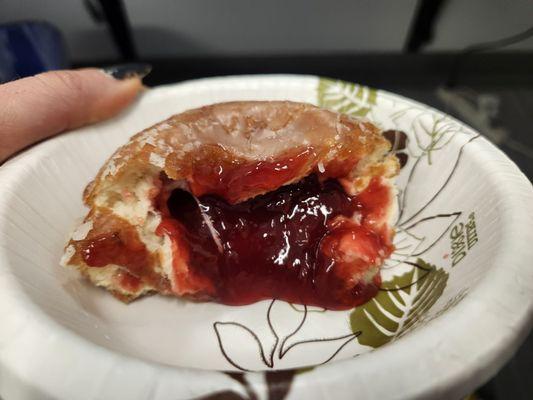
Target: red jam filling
x=123 y=247
x=116 y=248
x=235 y=181
x=308 y=243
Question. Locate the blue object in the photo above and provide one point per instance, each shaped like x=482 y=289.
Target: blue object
x=27 y=48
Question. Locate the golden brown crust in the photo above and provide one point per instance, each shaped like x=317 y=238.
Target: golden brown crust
x=242 y=132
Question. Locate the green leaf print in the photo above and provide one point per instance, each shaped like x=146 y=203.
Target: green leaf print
x=399 y=306
x=304 y=370
x=344 y=97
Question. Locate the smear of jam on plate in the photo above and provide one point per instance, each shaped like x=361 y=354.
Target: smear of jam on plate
x=307 y=243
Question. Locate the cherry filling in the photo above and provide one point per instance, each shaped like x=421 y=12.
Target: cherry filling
x=120 y=245
x=308 y=242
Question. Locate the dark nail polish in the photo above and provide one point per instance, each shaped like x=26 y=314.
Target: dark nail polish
x=126 y=71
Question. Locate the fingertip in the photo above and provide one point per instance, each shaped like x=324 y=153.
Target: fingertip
x=37 y=107
x=117 y=97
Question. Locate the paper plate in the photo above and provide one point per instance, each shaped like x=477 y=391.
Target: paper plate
x=457 y=297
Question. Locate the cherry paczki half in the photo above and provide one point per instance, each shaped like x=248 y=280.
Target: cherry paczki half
x=239 y=202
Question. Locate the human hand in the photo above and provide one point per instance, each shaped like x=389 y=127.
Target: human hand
x=41 y=106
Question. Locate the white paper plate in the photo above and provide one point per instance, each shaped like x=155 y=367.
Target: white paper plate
x=460 y=296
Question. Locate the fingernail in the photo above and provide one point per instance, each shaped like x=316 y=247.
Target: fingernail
x=126 y=71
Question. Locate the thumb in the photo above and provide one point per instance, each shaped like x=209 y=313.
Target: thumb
x=35 y=108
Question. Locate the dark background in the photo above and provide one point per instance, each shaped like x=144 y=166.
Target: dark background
x=446 y=53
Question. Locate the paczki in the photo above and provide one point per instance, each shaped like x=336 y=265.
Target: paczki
x=239 y=202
